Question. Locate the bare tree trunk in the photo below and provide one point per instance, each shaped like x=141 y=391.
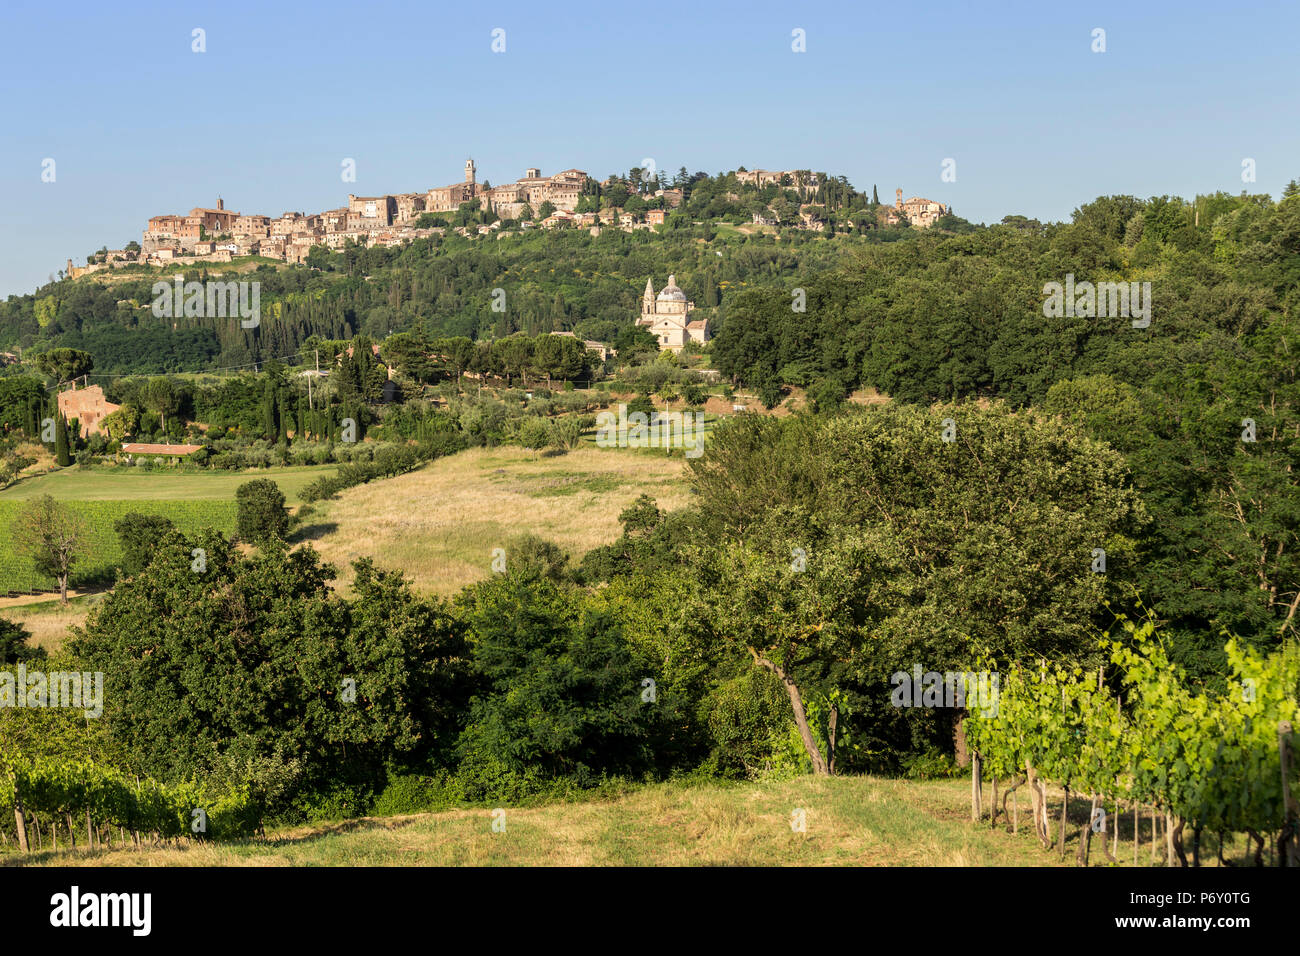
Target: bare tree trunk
x=961 y=753
x=20 y=825
x=1013 y=791
x=800 y=715
x=1038 y=806
x=1174 y=837
x=1259 y=847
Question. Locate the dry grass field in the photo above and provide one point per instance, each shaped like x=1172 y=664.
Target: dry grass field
x=440 y=524
x=48 y=621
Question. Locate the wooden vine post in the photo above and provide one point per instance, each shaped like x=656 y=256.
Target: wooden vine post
x=20 y=821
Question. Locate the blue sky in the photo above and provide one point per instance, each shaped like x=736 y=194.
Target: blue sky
x=140 y=125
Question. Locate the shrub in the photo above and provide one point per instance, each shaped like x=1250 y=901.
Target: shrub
x=931 y=765
x=323 y=488
x=413 y=793
x=262 y=515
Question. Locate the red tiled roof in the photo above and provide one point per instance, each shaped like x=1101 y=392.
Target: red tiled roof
x=145 y=448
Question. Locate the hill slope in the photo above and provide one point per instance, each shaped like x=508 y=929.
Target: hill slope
x=850 y=821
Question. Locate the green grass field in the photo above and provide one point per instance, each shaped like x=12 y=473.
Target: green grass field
x=854 y=821
x=193 y=500
x=134 y=484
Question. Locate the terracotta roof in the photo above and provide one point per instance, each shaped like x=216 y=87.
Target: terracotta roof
x=146 y=448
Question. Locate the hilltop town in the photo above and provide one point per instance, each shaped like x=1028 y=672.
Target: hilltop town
x=218 y=234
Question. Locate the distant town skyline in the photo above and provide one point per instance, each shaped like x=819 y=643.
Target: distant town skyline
x=1033 y=121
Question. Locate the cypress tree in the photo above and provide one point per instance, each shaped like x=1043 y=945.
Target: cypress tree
x=270 y=429
x=875 y=196
x=284 y=418
x=61 y=455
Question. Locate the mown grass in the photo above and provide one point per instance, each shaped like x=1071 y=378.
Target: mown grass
x=135 y=484
x=857 y=821
x=192 y=499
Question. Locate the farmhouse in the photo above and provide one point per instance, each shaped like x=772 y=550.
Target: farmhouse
x=87 y=405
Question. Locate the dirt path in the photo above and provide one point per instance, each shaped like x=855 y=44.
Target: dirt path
x=25 y=599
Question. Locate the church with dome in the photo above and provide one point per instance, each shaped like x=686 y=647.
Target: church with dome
x=668 y=316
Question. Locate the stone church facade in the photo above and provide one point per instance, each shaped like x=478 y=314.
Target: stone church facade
x=668 y=317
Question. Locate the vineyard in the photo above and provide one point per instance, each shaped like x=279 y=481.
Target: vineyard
x=39 y=798
x=102 y=552
x=1195 y=761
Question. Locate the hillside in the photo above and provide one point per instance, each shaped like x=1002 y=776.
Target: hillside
x=862 y=821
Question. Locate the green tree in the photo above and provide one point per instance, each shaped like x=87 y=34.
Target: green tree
x=139 y=535
x=64 y=365
x=261 y=514
x=53 y=536
x=985 y=544
x=561 y=691
x=159 y=396
x=266 y=674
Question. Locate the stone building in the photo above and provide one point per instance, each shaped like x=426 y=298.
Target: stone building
x=922 y=213
x=214 y=221
x=563 y=190
x=88 y=406
x=449 y=198
x=667 y=315
x=258 y=227
x=373 y=210
x=409 y=207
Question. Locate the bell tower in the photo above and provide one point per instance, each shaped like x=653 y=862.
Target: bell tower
x=469 y=171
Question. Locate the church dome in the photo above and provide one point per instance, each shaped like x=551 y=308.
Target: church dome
x=671 y=293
